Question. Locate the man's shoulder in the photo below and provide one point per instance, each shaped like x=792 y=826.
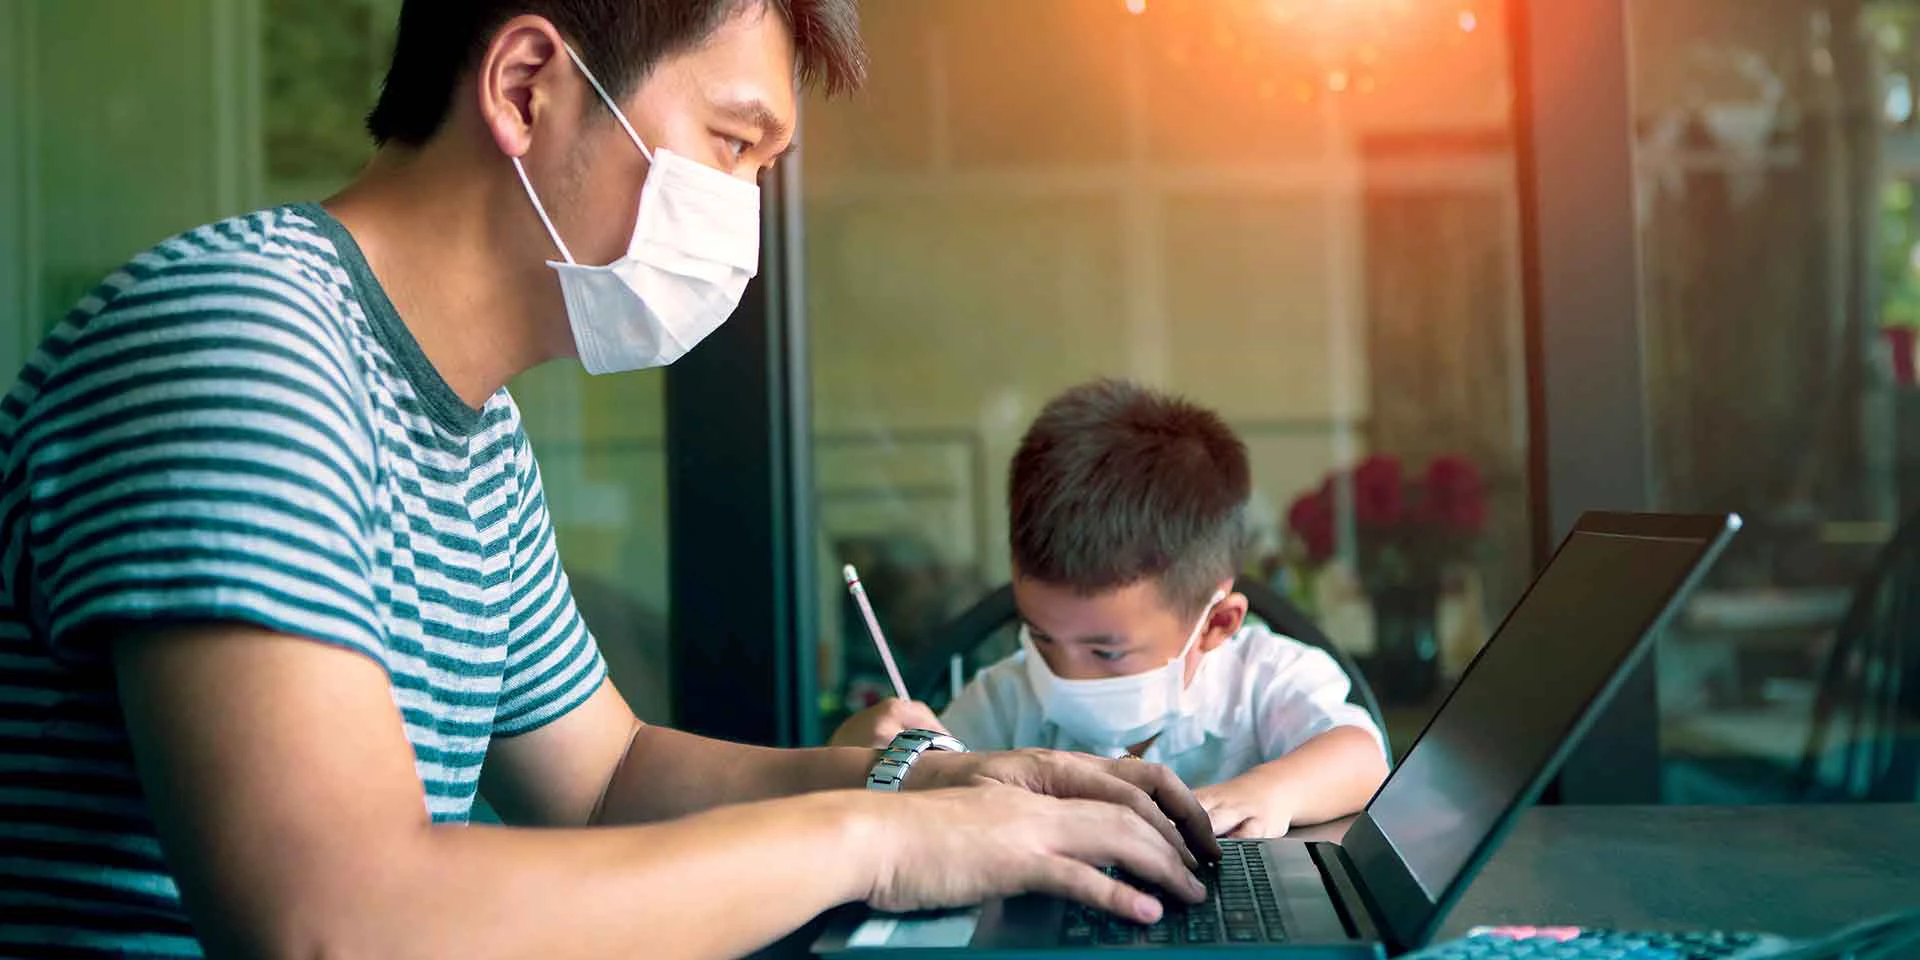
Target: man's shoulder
x=271 y=262
x=269 y=280
x=235 y=320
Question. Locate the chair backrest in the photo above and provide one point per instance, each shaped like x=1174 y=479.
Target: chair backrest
x=997 y=611
x=1865 y=739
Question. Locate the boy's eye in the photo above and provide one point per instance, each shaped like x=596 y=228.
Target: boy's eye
x=736 y=147
x=1108 y=655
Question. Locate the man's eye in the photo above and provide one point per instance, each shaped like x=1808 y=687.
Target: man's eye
x=736 y=146
x=1109 y=656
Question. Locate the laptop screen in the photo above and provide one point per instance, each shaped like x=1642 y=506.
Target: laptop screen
x=1517 y=707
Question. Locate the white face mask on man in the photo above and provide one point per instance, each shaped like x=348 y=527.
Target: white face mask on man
x=696 y=243
x=1115 y=712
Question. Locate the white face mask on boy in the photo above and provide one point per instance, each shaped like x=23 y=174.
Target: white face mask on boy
x=1115 y=712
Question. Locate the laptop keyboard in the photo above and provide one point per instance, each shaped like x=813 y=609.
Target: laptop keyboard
x=1240 y=908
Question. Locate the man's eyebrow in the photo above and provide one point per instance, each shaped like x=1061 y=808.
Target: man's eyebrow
x=755 y=113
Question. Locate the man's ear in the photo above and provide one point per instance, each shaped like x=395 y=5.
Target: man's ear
x=1226 y=619
x=519 y=80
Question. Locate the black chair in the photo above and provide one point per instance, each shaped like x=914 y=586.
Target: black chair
x=1869 y=692
x=997 y=611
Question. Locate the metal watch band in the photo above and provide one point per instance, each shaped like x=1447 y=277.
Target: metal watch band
x=890 y=771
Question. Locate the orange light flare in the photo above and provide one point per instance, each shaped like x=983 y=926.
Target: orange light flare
x=1342 y=48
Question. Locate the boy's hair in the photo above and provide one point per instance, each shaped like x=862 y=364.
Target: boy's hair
x=1115 y=483
x=439 y=41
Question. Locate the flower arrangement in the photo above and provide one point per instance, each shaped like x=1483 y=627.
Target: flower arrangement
x=1407 y=533
x=1410 y=536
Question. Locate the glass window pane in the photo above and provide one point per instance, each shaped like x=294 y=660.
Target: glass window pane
x=1778 y=234
x=1305 y=222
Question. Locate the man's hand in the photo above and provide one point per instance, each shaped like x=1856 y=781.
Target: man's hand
x=953 y=848
x=1151 y=791
x=1247 y=808
x=876 y=725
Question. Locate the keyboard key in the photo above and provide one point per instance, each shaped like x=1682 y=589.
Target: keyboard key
x=1077 y=935
x=1242 y=935
x=1159 y=933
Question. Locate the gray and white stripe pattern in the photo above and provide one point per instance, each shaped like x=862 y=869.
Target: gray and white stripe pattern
x=237 y=426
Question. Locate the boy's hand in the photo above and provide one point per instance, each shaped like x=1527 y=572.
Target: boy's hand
x=1328 y=777
x=1247 y=807
x=876 y=725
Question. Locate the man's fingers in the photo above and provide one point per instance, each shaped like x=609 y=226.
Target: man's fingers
x=1144 y=854
x=1094 y=782
x=1072 y=880
x=1175 y=802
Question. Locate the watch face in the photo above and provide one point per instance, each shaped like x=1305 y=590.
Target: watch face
x=931 y=740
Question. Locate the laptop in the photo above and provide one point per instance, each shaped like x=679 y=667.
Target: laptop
x=1486 y=754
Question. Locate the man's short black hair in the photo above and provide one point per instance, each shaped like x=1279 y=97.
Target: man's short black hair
x=439 y=41
x=1115 y=484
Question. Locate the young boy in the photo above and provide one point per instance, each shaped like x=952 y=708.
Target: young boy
x=1127 y=515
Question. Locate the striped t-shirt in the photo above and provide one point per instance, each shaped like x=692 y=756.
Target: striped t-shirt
x=237 y=426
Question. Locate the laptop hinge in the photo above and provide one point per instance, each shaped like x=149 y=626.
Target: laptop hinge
x=1357 y=910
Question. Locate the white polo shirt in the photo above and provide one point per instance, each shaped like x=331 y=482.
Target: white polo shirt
x=1254 y=699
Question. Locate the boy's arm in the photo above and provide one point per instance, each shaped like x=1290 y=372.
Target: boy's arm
x=1326 y=778
x=1325 y=756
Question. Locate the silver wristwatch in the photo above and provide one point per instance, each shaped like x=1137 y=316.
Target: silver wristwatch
x=907 y=746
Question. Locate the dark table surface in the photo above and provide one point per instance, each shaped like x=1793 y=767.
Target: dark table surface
x=1794 y=870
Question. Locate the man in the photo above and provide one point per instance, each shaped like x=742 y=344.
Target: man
x=279 y=577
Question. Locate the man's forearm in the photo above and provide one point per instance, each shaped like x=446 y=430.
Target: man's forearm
x=718 y=885
x=667 y=774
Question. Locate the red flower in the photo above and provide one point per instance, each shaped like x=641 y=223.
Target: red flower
x=1379 y=499
x=1311 y=519
x=1456 y=496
